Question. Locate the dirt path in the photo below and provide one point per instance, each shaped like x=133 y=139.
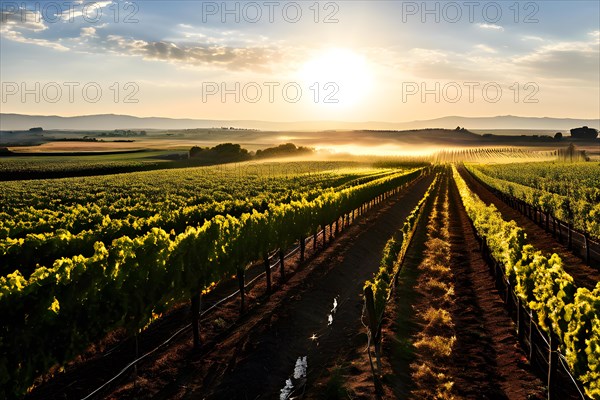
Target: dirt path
x=486 y=361
x=349 y=375
x=399 y=324
x=489 y=361
x=263 y=359
x=584 y=276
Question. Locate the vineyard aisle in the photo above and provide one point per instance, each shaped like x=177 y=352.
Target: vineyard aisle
x=484 y=360
x=486 y=337
x=584 y=276
x=260 y=354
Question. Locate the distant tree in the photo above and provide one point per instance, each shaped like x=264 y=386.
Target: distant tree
x=230 y=148
x=558 y=136
x=221 y=153
x=284 y=150
x=457 y=128
x=584 y=133
x=195 y=151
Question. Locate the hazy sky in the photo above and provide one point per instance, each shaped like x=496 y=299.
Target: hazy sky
x=305 y=60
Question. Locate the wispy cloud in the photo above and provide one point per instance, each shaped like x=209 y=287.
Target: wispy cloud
x=556 y=62
x=21 y=19
x=572 y=60
x=493 y=27
x=18 y=37
x=530 y=38
x=94 y=7
x=485 y=48
x=18 y=25
x=88 y=31
x=198 y=54
x=191 y=46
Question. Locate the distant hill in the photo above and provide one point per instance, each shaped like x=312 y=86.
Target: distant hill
x=12 y=122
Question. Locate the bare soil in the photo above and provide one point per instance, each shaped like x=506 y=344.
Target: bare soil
x=489 y=361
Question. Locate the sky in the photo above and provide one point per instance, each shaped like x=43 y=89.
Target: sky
x=306 y=60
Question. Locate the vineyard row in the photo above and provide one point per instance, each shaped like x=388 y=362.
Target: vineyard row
x=543 y=289
x=55 y=313
x=575 y=239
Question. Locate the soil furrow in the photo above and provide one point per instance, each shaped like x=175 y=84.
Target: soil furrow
x=490 y=361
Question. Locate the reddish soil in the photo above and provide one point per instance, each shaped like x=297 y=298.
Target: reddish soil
x=488 y=362
x=252 y=355
x=583 y=275
x=356 y=380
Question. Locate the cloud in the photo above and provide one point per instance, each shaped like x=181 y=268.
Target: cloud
x=190 y=34
x=575 y=60
x=16 y=36
x=88 y=31
x=21 y=19
x=445 y=65
x=484 y=48
x=493 y=27
x=15 y=24
x=549 y=62
x=230 y=50
x=530 y=38
x=198 y=54
x=92 y=10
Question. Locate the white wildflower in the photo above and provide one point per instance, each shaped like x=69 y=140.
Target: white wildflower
x=287 y=390
x=301 y=367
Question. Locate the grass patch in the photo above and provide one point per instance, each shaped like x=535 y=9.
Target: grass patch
x=430 y=377
x=438 y=321
x=436 y=346
x=433 y=269
x=439 y=291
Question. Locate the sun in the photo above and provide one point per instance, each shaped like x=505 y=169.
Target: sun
x=337 y=76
